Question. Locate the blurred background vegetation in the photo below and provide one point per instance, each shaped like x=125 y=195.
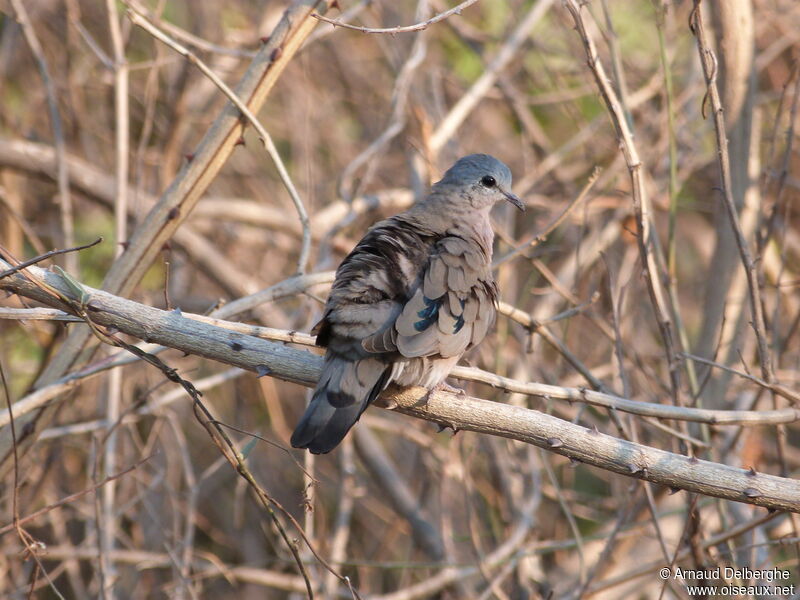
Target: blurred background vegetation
x=488 y=517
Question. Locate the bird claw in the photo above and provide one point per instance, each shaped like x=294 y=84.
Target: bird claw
x=446 y=387
x=440 y=427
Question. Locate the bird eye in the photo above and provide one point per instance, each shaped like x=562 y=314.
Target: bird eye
x=489 y=181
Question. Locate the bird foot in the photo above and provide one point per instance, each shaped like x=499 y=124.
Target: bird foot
x=446 y=387
x=441 y=427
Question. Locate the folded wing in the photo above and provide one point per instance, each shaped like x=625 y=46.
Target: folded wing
x=449 y=310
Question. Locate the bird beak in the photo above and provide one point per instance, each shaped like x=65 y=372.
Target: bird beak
x=514 y=199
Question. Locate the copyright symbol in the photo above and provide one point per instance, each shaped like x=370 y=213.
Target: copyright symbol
x=665 y=573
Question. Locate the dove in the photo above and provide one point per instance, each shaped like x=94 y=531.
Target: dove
x=412 y=297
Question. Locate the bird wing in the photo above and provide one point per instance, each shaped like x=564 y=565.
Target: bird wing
x=448 y=309
x=372 y=285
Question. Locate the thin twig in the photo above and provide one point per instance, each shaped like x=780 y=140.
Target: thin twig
x=540 y=238
x=397 y=118
x=64 y=196
x=641 y=202
x=108 y=525
x=98 y=185
x=72 y=497
x=45 y=256
x=776 y=388
x=138 y=17
x=36 y=314
x=459 y=112
x=671 y=259
x=456 y=10
x=713 y=541
x=709 y=63
x=166 y=216
x=636 y=407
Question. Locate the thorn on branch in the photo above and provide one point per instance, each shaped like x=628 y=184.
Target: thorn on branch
x=442 y=426
x=751 y=492
x=693 y=18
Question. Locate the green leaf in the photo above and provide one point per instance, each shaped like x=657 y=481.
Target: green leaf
x=74 y=285
x=248 y=447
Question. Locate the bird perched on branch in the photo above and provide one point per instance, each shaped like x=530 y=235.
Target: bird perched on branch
x=413 y=296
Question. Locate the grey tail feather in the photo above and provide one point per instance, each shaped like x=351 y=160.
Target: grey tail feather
x=324 y=424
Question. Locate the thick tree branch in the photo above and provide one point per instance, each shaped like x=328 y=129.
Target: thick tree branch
x=459 y=412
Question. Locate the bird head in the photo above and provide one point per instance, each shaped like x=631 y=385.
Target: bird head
x=481 y=179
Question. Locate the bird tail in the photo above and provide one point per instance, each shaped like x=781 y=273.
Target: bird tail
x=344 y=391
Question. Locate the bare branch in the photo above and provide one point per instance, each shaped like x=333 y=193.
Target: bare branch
x=456 y=10
x=484 y=83
x=137 y=16
x=708 y=62
x=64 y=199
x=645 y=238
x=191 y=182
x=451 y=410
